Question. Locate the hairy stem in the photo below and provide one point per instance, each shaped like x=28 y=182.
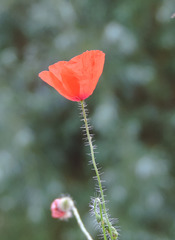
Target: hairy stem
x=95 y=167
x=100 y=218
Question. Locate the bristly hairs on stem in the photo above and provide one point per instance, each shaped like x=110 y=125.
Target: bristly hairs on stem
x=99 y=206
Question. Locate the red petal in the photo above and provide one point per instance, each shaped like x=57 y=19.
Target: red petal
x=49 y=78
x=88 y=66
x=67 y=77
x=45 y=76
x=58 y=214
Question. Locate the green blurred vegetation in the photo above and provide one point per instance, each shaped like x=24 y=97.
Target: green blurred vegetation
x=132 y=110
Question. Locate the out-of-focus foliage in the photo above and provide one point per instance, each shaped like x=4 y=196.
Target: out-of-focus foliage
x=42 y=154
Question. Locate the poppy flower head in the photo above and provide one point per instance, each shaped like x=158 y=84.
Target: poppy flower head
x=76 y=79
x=61 y=208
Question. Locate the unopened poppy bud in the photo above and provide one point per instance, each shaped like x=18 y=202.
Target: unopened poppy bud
x=66 y=204
x=114 y=233
x=61 y=208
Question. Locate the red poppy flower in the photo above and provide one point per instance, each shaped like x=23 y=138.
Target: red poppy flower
x=77 y=78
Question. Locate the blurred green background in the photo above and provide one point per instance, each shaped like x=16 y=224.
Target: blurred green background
x=132 y=110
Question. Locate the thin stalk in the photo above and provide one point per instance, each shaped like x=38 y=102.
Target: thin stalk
x=101 y=215
x=95 y=167
x=80 y=223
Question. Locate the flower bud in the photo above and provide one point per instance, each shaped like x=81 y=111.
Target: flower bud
x=66 y=204
x=61 y=208
x=114 y=233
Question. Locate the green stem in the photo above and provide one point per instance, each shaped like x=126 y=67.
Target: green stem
x=101 y=215
x=95 y=167
x=80 y=223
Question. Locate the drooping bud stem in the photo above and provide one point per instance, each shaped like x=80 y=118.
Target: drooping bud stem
x=80 y=223
x=62 y=208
